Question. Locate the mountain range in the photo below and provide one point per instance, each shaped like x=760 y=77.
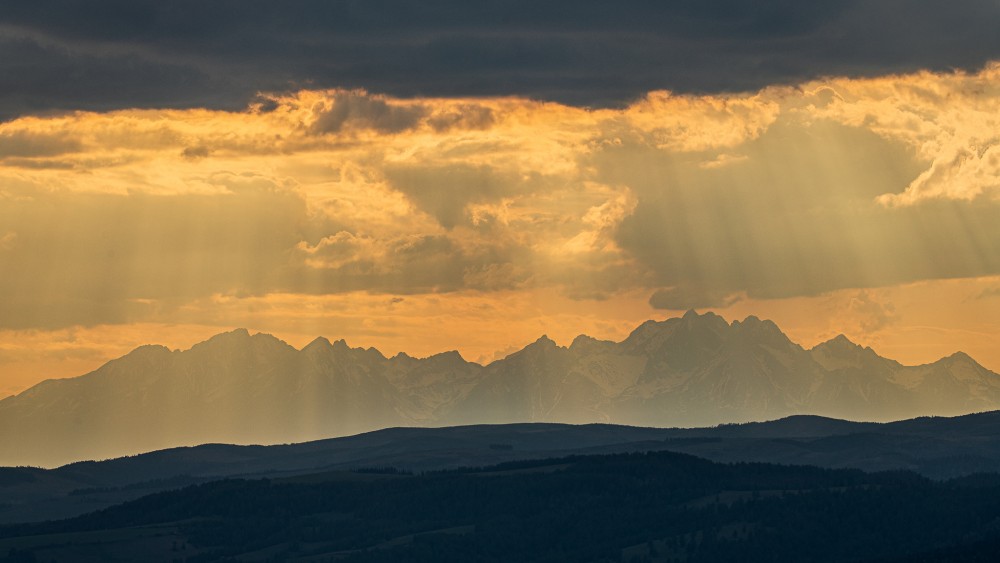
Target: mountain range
x=695 y=370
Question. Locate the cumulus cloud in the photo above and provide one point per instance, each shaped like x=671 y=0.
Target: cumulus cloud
x=465 y=116
x=871 y=315
x=599 y=223
x=949 y=121
x=197 y=151
x=495 y=276
x=799 y=216
x=684 y=200
x=865 y=315
x=359 y=110
x=406 y=264
x=337 y=250
x=693 y=123
x=445 y=191
x=27 y=144
x=683 y=298
x=724 y=159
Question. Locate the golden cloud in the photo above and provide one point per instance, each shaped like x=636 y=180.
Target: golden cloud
x=839 y=183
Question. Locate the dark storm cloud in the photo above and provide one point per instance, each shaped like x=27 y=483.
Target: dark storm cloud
x=75 y=54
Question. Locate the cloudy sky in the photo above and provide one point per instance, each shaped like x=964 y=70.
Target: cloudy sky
x=425 y=176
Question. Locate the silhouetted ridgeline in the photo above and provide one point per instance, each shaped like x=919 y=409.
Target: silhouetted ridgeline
x=939 y=448
x=697 y=370
x=626 y=507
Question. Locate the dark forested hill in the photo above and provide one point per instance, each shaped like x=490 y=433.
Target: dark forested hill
x=939 y=448
x=625 y=507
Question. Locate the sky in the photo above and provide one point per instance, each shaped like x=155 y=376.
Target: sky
x=444 y=175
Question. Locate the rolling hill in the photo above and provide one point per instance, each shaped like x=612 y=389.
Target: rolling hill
x=632 y=507
x=938 y=448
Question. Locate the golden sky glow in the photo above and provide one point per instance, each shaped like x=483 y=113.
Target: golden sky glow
x=862 y=206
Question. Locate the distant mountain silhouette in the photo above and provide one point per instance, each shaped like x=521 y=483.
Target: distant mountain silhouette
x=696 y=370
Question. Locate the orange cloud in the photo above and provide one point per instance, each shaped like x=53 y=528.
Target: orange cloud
x=322 y=207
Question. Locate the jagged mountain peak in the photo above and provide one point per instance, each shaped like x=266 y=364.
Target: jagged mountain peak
x=651 y=329
x=318 y=343
x=374 y=352
x=235 y=335
x=450 y=355
x=231 y=340
x=263 y=339
x=240 y=343
x=840 y=345
x=340 y=348
x=693 y=315
x=705 y=332
x=148 y=349
x=584 y=344
x=960 y=358
x=705 y=321
x=841 y=352
x=545 y=340
x=692 y=319
x=765 y=331
x=645 y=329
x=239 y=337
x=839 y=342
x=544 y=343
x=542 y=347
x=755 y=323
